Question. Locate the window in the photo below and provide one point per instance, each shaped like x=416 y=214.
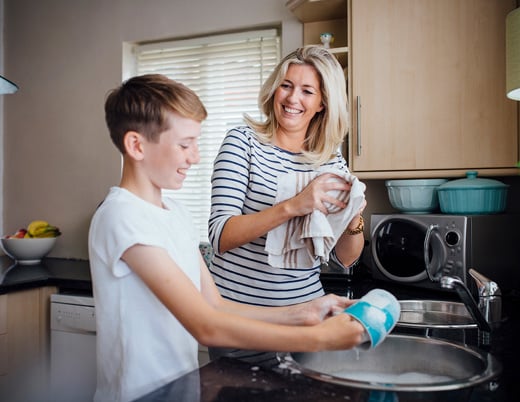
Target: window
x=226 y=71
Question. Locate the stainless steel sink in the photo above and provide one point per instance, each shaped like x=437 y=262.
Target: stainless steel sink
x=434 y=314
x=400 y=363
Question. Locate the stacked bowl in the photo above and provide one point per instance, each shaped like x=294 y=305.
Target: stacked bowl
x=414 y=196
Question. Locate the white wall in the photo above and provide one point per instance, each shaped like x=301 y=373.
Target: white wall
x=65 y=55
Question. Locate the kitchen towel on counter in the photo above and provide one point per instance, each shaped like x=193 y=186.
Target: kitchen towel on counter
x=298 y=242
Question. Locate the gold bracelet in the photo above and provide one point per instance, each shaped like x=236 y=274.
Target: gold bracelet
x=359 y=228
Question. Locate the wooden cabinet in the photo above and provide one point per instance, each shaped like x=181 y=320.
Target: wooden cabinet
x=428 y=88
x=426 y=83
x=24 y=343
x=323 y=16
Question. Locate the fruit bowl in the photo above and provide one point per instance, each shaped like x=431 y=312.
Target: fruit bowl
x=27 y=251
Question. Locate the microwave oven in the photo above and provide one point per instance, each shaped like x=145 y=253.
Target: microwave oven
x=403 y=246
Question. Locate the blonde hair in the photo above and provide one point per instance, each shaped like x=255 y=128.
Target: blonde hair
x=328 y=128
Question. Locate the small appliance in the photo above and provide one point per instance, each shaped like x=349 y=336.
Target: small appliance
x=403 y=246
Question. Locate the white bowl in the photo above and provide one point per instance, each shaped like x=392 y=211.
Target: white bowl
x=28 y=251
x=414 y=196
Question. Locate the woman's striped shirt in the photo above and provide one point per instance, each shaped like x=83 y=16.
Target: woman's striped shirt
x=244 y=182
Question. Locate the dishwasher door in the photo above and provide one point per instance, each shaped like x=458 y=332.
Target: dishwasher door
x=73 y=348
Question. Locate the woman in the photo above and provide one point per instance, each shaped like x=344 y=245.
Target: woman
x=305 y=104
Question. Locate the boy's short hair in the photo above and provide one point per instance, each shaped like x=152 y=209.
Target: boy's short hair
x=141 y=104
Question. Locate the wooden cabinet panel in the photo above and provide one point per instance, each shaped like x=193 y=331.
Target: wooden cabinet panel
x=3 y=335
x=24 y=345
x=430 y=79
x=3 y=356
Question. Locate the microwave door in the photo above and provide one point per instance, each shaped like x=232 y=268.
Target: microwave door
x=400 y=252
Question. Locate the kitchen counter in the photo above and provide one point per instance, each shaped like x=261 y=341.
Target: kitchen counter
x=62 y=273
x=231 y=380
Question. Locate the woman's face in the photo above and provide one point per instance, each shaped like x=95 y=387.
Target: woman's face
x=298 y=99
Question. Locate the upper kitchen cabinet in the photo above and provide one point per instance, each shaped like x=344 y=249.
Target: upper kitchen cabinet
x=319 y=16
x=427 y=85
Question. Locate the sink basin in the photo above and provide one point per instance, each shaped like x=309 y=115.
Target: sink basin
x=400 y=363
x=434 y=314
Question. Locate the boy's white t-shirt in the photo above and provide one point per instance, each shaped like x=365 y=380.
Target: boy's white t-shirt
x=140 y=344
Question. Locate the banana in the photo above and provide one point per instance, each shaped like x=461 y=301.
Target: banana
x=36 y=227
x=42 y=228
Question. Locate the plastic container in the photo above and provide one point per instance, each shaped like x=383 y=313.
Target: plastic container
x=414 y=196
x=378 y=311
x=472 y=196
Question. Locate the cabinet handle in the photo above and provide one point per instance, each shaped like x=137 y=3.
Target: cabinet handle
x=358 y=125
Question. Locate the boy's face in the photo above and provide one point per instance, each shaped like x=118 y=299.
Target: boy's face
x=168 y=161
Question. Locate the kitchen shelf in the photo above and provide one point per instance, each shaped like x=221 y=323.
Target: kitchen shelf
x=342 y=49
x=335 y=50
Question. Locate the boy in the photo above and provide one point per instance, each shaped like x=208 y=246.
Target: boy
x=155 y=298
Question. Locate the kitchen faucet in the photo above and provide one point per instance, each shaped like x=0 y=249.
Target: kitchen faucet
x=487 y=313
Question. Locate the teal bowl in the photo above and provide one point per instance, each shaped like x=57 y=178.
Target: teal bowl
x=473 y=196
x=414 y=196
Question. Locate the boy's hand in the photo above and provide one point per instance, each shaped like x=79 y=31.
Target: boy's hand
x=340 y=332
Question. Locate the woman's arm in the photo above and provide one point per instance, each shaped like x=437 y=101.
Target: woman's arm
x=242 y=229
x=212 y=326
x=350 y=245
x=229 y=227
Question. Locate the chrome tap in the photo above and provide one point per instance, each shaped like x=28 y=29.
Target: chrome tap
x=489 y=298
x=487 y=313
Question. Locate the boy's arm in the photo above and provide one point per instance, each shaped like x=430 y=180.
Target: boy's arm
x=309 y=313
x=214 y=322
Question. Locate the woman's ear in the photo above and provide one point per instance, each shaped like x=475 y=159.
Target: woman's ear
x=133 y=145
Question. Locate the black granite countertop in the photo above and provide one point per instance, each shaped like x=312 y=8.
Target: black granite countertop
x=231 y=380
x=63 y=273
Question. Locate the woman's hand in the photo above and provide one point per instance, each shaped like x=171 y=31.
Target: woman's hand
x=315 y=311
x=319 y=194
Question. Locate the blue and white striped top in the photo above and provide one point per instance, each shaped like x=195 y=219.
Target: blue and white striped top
x=244 y=182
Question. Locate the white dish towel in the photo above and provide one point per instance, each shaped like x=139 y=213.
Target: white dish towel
x=298 y=242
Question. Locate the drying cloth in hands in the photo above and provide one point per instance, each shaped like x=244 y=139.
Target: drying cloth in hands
x=299 y=241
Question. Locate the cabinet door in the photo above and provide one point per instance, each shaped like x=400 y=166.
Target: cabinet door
x=25 y=323
x=428 y=80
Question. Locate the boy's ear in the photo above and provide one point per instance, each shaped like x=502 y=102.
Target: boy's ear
x=133 y=144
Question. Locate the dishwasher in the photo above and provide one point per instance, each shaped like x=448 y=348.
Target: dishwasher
x=73 y=348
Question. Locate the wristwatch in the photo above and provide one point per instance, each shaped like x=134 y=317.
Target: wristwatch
x=359 y=228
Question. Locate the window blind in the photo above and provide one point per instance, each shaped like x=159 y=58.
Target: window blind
x=226 y=71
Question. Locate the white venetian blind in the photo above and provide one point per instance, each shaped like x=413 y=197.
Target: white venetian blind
x=226 y=71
